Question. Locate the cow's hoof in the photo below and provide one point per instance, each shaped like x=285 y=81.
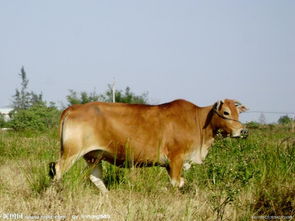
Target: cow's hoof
x=181 y=182
x=178 y=184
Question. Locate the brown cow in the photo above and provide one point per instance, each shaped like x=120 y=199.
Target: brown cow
x=173 y=135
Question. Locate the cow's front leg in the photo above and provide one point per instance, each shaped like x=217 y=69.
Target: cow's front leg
x=174 y=171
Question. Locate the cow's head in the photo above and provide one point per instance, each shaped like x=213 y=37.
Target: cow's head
x=226 y=117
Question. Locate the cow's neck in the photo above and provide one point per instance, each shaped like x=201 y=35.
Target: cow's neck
x=205 y=133
x=206 y=128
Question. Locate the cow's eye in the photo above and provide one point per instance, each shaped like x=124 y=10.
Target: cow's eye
x=225 y=113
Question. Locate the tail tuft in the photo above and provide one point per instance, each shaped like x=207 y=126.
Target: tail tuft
x=52 y=171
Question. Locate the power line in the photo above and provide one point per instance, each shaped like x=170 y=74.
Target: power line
x=269 y=112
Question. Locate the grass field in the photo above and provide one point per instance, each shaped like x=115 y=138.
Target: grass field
x=240 y=180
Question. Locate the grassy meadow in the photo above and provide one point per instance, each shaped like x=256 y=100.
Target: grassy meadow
x=239 y=180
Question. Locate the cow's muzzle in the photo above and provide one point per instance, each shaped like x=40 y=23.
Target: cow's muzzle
x=244 y=133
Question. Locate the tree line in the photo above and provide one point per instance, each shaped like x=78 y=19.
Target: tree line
x=32 y=112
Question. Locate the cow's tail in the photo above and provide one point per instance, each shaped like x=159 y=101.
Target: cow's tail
x=65 y=113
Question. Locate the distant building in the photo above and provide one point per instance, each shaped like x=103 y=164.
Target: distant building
x=5 y=112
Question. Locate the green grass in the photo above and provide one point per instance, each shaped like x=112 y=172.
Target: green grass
x=239 y=179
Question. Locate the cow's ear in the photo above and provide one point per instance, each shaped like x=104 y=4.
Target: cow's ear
x=241 y=108
x=217 y=106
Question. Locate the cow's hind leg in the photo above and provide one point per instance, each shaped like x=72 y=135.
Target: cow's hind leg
x=96 y=175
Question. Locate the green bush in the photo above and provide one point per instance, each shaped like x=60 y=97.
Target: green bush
x=37 y=117
x=253 y=125
x=2 y=121
x=285 y=120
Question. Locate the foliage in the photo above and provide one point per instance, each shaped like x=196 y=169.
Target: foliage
x=36 y=117
x=285 y=120
x=238 y=179
x=2 y=121
x=24 y=98
x=252 y=125
x=82 y=97
x=30 y=112
x=126 y=96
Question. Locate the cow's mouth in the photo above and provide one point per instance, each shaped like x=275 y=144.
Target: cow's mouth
x=243 y=134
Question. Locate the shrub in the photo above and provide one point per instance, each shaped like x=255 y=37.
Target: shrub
x=253 y=125
x=37 y=117
x=285 y=120
x=2 y=121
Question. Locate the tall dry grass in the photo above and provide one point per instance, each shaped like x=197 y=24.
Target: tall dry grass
x=239 y=179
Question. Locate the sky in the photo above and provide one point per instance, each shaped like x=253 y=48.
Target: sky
x=201 y=51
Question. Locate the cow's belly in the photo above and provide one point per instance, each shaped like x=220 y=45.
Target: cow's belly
x=128 y=155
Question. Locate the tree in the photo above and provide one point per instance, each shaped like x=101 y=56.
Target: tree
x=82 y=97
x=30 y=111
x=120 y=96
x=24 y=98
x=285 y=120
x=124 y=96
